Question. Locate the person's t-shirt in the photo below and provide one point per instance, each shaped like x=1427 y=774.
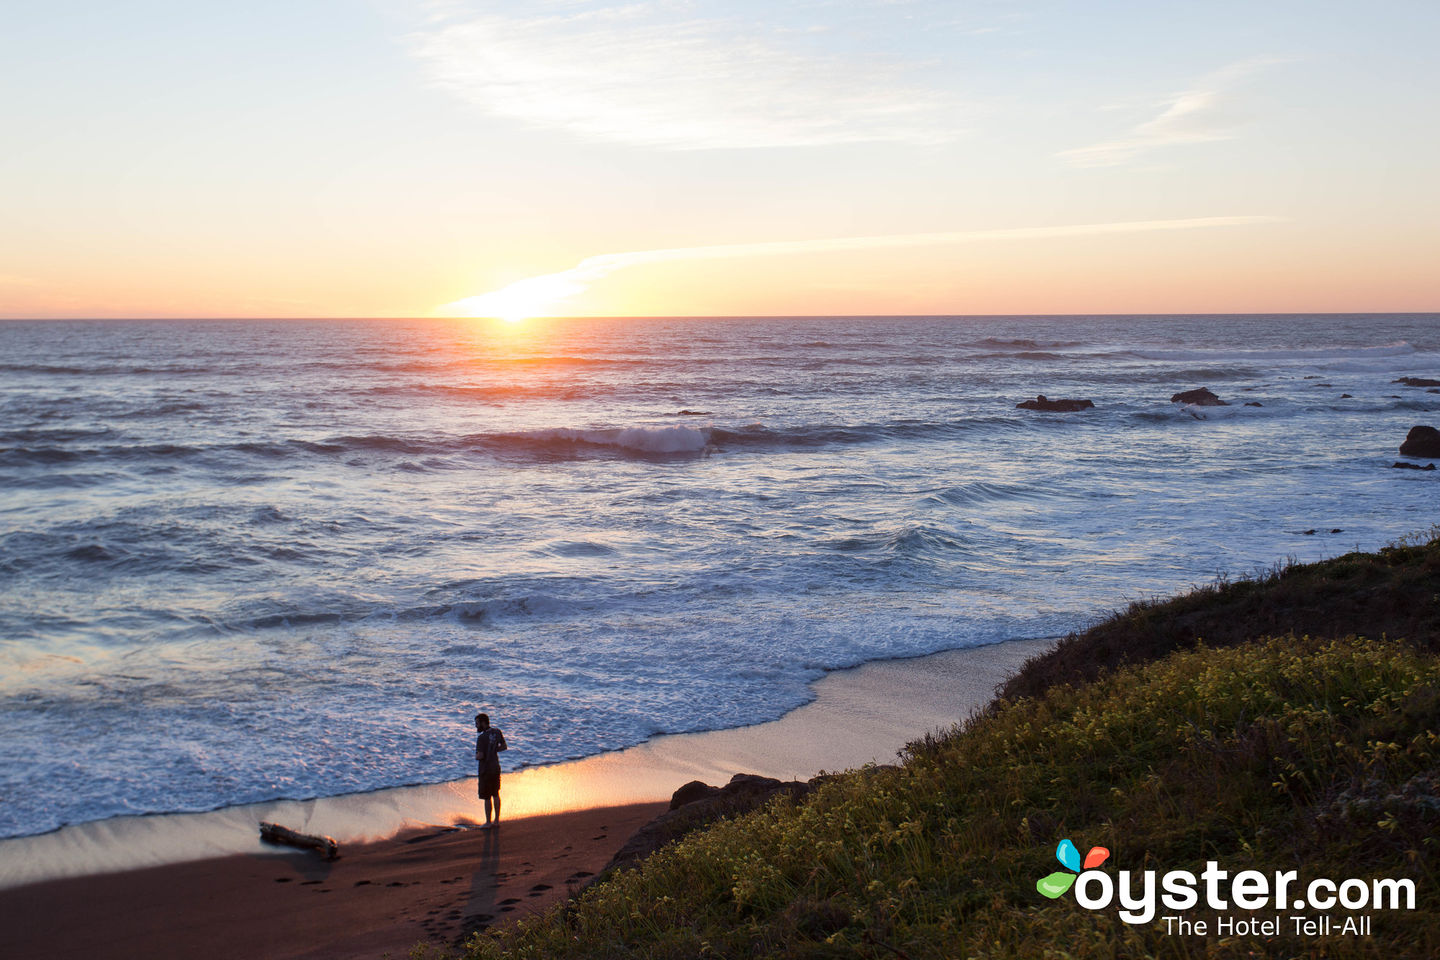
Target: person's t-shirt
x=488 y=745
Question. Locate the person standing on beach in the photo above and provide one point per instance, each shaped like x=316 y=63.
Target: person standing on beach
x=489 y=741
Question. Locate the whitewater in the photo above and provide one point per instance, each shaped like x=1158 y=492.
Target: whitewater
x=247 y=560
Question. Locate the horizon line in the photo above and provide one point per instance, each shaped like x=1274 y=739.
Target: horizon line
x=724 y=316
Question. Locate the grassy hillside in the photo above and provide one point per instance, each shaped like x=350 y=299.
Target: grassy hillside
x=1318 y=755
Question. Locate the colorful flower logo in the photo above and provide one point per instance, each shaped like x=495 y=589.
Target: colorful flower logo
x=1058 y=882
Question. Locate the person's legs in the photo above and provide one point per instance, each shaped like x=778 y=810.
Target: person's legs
x=490 y=793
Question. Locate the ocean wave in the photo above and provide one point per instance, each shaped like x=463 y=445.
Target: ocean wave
x=654 y=441
x=57 y=455
x=271 y=615
x=122 y=370
x=825 y=435
x=988 y=491
x=1029 y=355
x=484 y=393
x=1021 y=343
x=915 y=541
x=1399 y=348
x=425 y=453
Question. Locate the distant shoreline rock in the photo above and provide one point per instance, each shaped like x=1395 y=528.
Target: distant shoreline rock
x=1201 y=397
x=1044 y=403
x=1417 y=382
x=1421 y=441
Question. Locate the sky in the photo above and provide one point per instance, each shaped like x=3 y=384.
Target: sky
x=696 y=158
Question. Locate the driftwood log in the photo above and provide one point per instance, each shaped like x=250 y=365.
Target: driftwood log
x=274 y=833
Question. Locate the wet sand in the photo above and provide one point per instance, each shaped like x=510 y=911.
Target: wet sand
x=434 y=885
x=203 y=884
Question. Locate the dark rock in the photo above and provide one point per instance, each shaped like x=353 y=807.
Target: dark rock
x=744 y=792
x=1251 y=403
x=1421 y=441
x=1200 y=398
x=1043 y=402
x=1346 y=396
x=1417 y=382
x=1307 y=533
x=1399 y=465
x=691 y=792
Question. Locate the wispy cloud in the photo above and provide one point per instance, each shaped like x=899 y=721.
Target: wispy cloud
x=699 y=74
x=552 y=288
x=1201 y=114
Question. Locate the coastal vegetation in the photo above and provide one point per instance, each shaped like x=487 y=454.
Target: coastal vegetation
x=1286 y=722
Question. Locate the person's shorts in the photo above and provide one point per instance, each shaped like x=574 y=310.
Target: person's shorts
x=489 y=784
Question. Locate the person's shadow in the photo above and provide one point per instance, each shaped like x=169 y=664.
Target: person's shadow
x=481 y=910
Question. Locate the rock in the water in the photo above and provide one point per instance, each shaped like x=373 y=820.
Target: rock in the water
x=1043 y=402
x=1200 y=398
x=1421 y=441
x=1401 y=465
x=1417 y=382
x=1250 y=403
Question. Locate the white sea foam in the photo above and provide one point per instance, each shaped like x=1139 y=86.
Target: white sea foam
x=645 y=440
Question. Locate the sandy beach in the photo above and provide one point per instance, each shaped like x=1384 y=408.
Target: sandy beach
x=379 y=898
x=412 y=867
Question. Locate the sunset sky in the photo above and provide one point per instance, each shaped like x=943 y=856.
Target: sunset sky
x=694 y=157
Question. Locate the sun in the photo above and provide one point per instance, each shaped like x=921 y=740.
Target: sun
x=531 y=297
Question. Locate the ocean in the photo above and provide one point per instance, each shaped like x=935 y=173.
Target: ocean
x=246 y=560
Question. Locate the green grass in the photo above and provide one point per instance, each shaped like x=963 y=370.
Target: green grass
x=1313 y=754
